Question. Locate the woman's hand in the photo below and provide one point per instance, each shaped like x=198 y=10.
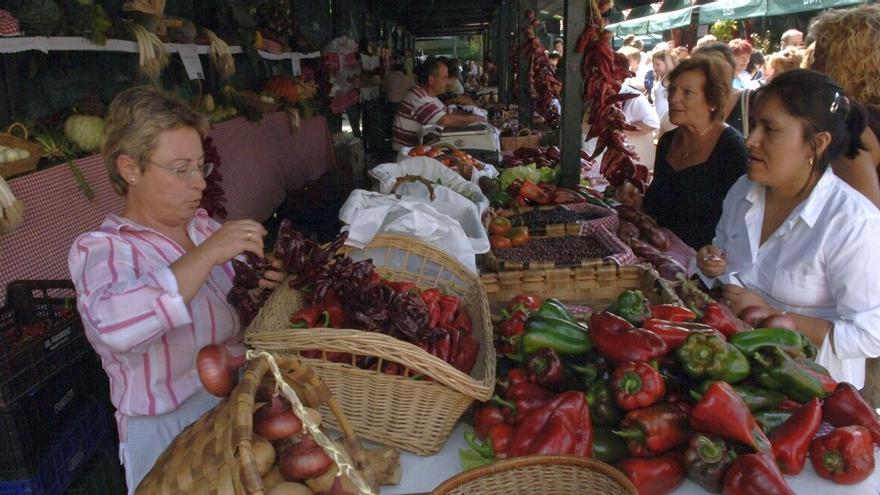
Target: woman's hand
x=712 y=261
x=234 y=238
x=629 y=195
x=738 y=298
x=272 y=278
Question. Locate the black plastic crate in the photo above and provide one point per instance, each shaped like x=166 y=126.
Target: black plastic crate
x=31 y=423
x=85 y=428
x=40 y=333
x=103 y=475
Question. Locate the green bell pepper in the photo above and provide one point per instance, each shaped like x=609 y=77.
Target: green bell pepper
x=603 y=408
x=790 y=341
x=586 y=368
x=756 y=398
x=771 y=419
x=710 y=356
x=632 y=306
x=608 y=447
x=563 y=336
x=776 y=370
x=552 y=308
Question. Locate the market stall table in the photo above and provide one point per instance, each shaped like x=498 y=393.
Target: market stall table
x=423 y=474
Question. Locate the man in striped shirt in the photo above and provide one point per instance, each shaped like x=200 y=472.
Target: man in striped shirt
x=420 y=107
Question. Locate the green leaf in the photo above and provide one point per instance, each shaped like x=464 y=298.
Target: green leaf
x=470 y=459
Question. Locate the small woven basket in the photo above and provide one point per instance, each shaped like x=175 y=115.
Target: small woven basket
x=539 y=475
x=414 y=415
x=253 y=99
x=523 y=139
x=9 y=169
x=597 y=284
x=215 y=454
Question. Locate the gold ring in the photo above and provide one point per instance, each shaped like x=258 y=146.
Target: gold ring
x=249 y=235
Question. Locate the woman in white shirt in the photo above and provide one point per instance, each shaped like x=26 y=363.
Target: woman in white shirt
x=796 y=238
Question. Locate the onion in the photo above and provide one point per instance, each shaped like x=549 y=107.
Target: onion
x=779 y=320
x=304 y=460
x=753 y=315
x=217 y=369
x=275 y=420
x=264 y=455
x=290 y=488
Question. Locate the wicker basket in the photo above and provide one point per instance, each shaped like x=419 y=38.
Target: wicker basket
x=597 y=284
x=214 y=455
x=9 y=169
x=252 y=99
x=605 y=217
x=415 y=415
x=539 y=475
x=523 y=139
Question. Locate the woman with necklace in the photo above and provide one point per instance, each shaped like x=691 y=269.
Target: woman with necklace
x=697 y=162
x=794 y=237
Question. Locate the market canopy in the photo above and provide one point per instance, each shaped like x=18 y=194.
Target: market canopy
x=655 y=23
x=779 y=7
x=744 y=9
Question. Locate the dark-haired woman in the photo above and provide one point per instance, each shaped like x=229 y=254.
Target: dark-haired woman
x=796 y=238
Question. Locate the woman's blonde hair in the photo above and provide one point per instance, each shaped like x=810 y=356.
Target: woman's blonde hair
x=136 y=118
x=784 y=61
x=846 y=49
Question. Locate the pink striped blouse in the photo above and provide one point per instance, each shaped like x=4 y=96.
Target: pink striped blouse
x=136 y=320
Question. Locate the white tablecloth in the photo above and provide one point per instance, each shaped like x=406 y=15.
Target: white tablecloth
x=423 y=474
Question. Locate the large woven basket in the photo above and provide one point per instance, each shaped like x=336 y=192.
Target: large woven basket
x=597 y=284
x=539 y=475
x=415 y=415
x=9 y=169
x=523 y=139
x=214 y=455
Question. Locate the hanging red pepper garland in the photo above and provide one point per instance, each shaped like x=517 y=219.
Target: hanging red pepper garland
x=213 y=197
x=604 y=71
x=543 y=86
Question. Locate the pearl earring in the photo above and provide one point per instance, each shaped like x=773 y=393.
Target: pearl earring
x=131 y=180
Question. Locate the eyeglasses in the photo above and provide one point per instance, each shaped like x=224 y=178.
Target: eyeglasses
x=188 y=171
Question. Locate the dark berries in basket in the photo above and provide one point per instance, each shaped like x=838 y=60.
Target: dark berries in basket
x=567 y=250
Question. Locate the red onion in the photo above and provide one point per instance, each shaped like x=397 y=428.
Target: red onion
x=304 y=460
x=217 y=369
x=753 y=315
x=275 y=420
x=779 y=320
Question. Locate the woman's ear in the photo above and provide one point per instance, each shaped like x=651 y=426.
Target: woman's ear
x=821 y=141
x=128 y=169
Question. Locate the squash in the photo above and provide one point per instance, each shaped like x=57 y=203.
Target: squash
x=86 y=132
x=283 y=87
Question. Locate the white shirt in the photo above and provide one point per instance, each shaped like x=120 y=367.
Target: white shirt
x=821 y=262
x=639 y=109
x=660 y=95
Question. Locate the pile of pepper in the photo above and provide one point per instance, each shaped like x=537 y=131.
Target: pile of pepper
x=671 y=393
x=542 y=85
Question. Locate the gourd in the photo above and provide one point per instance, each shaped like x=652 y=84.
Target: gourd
x=283 y=87
x=86 y=131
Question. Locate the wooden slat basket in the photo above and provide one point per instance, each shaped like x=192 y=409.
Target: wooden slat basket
x=597 y=284
x=215 y=454
x=540 y=475
x=415 y=415
x=13 y=168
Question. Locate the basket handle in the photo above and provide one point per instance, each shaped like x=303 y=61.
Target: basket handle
x=18 y=125
x=528 y=132
x=414 y=178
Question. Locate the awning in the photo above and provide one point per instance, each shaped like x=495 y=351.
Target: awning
x=734 y=9
x=653 y=23
x=780 y=7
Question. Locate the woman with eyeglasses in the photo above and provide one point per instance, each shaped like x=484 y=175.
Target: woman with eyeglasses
x=794 y=237
x=152 y=281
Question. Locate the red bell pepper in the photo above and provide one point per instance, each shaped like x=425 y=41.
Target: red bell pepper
x=309 y=317
x=637 y=385
x=499 y=436
x=448 y=309
x=791 y=441
x=532 y=192
x=510 y=333
x=545 y=369
x=846 y=407
x=463 y=322
x=844 y=456
x=755 y=474
x=829 y=384
x=671 y=312
x=333 y=307
x=655 y=475
x=465 y=354
x=653 y=430
x=722 y=318
x=620 y=342
x=485 y=417
x=562 y=426
x=675 y=334
x=524 y=302
x=523 y=398
x=431 y=297
x=722 y=412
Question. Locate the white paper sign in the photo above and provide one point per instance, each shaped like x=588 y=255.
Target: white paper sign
x=295 y=65
x=191 y=62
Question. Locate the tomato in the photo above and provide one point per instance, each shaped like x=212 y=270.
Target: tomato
x=433 y=152
x=418 y=150
x=519 y=236
x=499 y=226
x=499 y=242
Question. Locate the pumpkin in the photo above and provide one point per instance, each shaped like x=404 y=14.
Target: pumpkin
x=86 y=132
x=283 y=87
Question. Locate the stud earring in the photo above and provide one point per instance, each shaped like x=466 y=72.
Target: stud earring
x=131 y=179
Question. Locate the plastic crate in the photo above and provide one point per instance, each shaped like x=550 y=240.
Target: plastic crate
x=55 y=339
x=86 y=429
x=103 y=475
x=30 y=424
